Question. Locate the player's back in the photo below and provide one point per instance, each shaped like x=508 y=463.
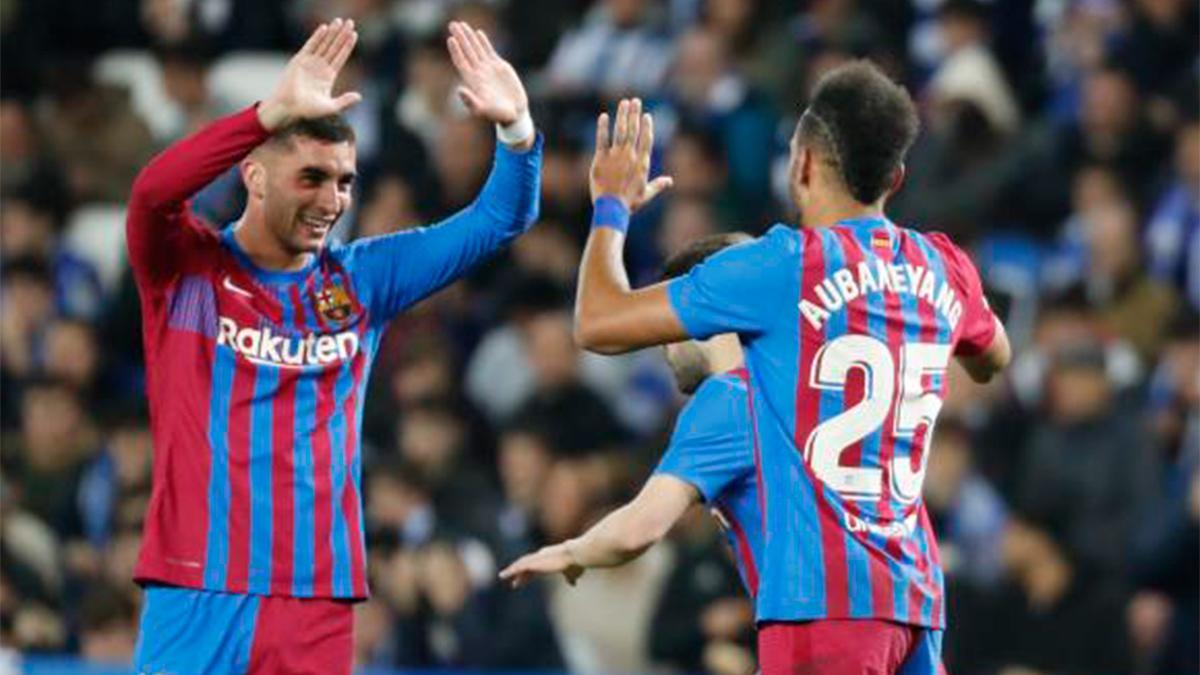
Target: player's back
x=847 y=332
x=881 y=311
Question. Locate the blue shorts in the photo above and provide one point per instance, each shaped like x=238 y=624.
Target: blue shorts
x=185 y=631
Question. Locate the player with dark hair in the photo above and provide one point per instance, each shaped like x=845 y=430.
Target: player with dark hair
x=848 y=325
x=710 y=459
x=259 y=342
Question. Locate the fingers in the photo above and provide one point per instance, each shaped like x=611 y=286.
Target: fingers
x=325 y=45
x=470 y=100
x=457 y=57
x=602 y=133
x=621 y=128
x=635 y=122
x=645 y=139
x=461 y=35
x=344 y=46
x=657 y=187
x=318 y=35
x=347 y=100
x=628 y=127
x=473 y=36
x=486 y=44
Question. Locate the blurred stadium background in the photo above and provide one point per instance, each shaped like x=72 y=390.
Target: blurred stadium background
x=1060 y=143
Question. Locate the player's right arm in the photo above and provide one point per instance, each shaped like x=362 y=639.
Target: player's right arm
x=727 y=293
x=710 y=449
x=618 y=538
x=157 y=235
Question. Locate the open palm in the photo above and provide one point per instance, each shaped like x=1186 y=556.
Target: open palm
x=491 y=88
x=306 y=88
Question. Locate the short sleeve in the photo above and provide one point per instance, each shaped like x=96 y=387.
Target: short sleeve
x=710 y=447
x=738 y=290
x=978 y=323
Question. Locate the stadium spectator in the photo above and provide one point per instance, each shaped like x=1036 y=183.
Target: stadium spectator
x=1173 y=233
x=1094 y=174
x=1089 y=468
x=706 y=88
x=1051 y=616
x=107 y=625
x=619 y=49
x=578 y=419
x=966 y=509
x=705 y=619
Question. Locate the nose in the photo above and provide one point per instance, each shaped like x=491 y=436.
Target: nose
x=328 y=199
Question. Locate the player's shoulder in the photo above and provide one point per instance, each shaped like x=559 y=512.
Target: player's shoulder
x=785 y=238
x=719 y=402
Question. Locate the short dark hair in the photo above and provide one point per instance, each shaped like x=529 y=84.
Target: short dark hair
x=698 y=251
x=329 y=129
x=864 y=123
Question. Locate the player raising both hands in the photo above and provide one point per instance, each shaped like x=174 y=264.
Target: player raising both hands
x=259 y=341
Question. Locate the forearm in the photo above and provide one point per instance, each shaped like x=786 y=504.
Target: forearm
x=987 y=364
x=619 y=537
x=188 y=165
x=510 y=198
x=603 y=284
x=611 y=318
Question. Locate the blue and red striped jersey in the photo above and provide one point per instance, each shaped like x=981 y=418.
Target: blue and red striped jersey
x=712 y=448
x=256 y=378
x=848 y=331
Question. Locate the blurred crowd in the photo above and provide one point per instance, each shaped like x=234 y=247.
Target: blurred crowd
x=1060 y=144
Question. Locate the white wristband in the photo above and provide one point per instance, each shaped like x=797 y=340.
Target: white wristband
x=517 y=132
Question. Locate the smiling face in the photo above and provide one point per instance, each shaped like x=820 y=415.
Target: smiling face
x=303 y=186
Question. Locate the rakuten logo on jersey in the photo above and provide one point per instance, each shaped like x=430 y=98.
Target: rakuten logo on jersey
x=264 y=346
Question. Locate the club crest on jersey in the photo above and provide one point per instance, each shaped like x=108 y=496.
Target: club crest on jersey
x=333 y=302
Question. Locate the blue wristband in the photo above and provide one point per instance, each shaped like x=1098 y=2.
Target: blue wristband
x=608 y=211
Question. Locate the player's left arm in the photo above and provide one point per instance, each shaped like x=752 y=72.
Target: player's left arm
x=399 y=269
x=983 y=348
x=618 y=538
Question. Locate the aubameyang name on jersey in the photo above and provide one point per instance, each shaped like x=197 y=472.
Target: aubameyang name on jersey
x=844 y=285
x=262 y=345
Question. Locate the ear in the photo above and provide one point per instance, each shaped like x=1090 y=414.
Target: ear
x=807 y=167
x=897 y=179
x=254 y=177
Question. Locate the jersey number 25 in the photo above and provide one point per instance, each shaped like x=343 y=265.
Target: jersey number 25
x=914 y=406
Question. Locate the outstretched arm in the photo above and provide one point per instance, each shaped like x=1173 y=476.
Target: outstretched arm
x=618 y=538
x=162 y=187
x=399 y=269
x=611 y=318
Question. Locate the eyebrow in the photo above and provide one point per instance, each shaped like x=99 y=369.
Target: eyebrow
x=318 y=173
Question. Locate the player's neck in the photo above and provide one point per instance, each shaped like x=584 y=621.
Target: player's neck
x=256 y=241
x=835 y=209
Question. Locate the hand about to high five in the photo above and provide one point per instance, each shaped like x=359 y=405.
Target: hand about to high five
x=306 y=89
x=621 y=165
x=490 y=86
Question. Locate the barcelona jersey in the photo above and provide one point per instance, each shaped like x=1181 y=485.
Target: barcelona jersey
x=848 y=331
x=256 y=377
x=712 y=448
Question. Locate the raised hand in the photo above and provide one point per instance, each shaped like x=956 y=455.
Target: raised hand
x=547 y=560
x=621 y=165
x=490 y=87
x=306 y=88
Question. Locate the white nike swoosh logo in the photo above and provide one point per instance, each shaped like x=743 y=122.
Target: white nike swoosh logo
x=240 y=291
